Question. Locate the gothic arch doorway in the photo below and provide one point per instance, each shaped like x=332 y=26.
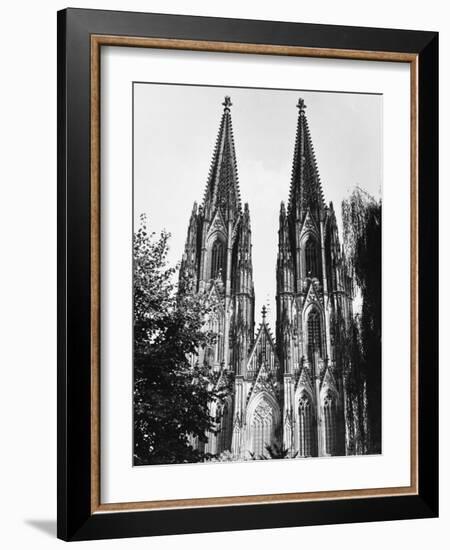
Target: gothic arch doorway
x=263 y=422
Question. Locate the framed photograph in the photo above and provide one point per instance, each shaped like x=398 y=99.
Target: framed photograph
x=247 y=254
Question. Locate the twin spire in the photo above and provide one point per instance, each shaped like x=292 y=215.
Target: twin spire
x=222 y=188
x=306 y=189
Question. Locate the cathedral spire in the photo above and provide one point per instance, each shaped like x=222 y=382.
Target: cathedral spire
x=306 y=189
x=222 y=188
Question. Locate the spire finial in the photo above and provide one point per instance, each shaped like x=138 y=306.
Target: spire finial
x=227 y=103
x=264 y=313
x=301 y=105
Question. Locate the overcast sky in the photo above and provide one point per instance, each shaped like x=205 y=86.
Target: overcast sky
x=175 y=129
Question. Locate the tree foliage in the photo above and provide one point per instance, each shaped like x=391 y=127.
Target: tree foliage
x=275 y=451
x=279 y=451
x=171 y=389
x=361 y=216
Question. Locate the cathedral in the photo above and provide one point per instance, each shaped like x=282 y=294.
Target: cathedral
x=289 y=385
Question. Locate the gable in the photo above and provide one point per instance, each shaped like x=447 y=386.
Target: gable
x=217 y=226
x=312 y=297
x=304 y=382
x=263 y=352
x=328 y=382
x=309 y=225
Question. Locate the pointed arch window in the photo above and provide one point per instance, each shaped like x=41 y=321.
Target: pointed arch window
x=329 y=413
x=314 y=334
x=262 y=428
x=226 y=426
x=311 y=258
x=305 y=415
x=218 y=259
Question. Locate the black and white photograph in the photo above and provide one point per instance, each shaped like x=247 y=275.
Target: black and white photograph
x=257 y=246
x=222 y=256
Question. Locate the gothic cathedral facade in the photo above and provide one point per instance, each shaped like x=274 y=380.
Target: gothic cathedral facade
x=288 y=389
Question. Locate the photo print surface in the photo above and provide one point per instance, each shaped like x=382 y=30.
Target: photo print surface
x=257 y=246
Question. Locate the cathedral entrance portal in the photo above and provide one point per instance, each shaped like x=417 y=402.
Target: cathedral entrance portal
x=263 y=425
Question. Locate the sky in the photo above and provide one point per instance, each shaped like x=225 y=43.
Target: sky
x=175 y=129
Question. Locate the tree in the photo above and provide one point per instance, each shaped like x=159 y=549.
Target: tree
x=361 y=215
x=348 y=354
x=279 y=451
x=172 y=390
x=275 y=452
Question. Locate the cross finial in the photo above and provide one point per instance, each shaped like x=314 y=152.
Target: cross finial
x=301 y=105
x=227 y=103
x=264 y=313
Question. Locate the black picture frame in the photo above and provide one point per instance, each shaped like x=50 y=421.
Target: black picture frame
x=76 y=521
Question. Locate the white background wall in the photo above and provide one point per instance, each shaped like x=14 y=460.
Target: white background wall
x=28 y=274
